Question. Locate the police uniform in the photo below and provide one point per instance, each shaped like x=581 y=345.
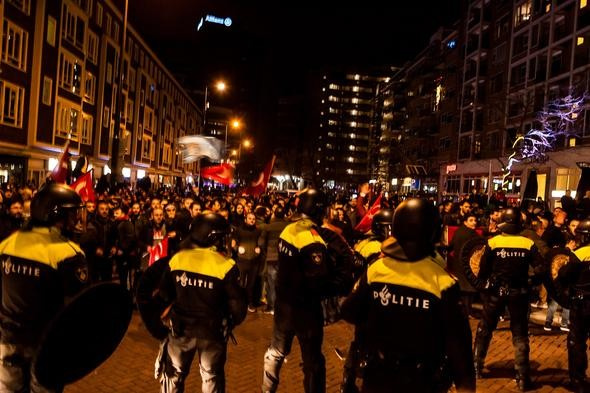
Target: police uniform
x=412 y=322
x=576 y=276
x=40 y=268
x=207 y=300
x=304 y=277
x=504 y=270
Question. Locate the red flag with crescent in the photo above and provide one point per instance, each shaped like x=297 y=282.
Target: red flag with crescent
x=367 y=220
x=259 y=186
x=60 y=172
x=84 y=187
x=223 y=173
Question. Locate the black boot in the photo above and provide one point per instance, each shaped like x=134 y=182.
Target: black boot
x=523 y=381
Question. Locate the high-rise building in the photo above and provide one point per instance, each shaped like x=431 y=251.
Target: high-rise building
x=60 y=66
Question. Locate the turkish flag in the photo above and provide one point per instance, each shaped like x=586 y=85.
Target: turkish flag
x=367 y=219
x=84 y=187
x=60 y=172
x=159 y=251
x=259 y=186
x=223 y=173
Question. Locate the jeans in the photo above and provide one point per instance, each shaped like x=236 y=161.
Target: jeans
x=307 y=325
x=272 y=270
x=180 y=352
x=565 y=314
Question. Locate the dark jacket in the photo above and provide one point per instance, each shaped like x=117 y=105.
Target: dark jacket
x=455 y=265
x=271 y=233
x=247 y=238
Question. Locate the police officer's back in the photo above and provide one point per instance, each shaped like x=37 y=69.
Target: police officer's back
x=202 y=285
x=411 y=308
x=40 y=268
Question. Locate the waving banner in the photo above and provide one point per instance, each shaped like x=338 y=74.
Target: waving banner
x=194 y=147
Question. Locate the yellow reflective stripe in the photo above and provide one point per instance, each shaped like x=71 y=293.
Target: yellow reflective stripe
x=42 y=245
x=370 y=248
x=425 y=275
x=510 y=241
x=204 y=261
x=300 y=234
x=583 y=253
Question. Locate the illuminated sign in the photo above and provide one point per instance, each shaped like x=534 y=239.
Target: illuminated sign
x=451 y=168
x=451 y=44
x=227 y=21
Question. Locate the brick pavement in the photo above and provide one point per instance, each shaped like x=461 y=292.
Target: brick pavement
x=130 y=369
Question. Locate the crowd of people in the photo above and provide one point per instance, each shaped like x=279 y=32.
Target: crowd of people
x=298 y=258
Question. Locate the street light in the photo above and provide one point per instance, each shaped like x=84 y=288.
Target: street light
x=235 y=124
x=220 y=86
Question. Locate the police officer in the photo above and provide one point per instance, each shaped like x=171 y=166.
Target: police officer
x=207 y=300
x=369 y=250
x=417 y=337
x=575 y=278
x=40 y=268
x=504 y=276
x=305 y=276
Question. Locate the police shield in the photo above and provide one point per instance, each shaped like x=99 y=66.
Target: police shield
x=471 y=254
x=83 y=335
x=557 y=258
x=151 y=306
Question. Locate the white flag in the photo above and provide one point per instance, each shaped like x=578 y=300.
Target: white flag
x=194 y=147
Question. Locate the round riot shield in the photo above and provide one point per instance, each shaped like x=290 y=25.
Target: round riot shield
x=471 y=254
x=557 y=258
x=151 y=306
x=83 y=335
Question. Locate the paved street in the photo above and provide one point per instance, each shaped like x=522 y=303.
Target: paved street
x=130 y=369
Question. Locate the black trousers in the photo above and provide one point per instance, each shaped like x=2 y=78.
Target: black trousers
x=382 y=377
x=307 y=324
x=576 y=341
x=493 y=308
x=15 y=369
x=248 y=274
x=179 y=353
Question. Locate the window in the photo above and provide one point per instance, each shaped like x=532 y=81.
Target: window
x=70 y=73
x=566 y=179
x=106 y=116
x=88 y=8
x=116 y=31
x=14 y=45
x=131 y=79
x=87 y=123
x=67 y=119
x=89 y=88
x=166 y=154
x=25 y=5
x=51 y=24
x=129 y=111
x=92 y=49
x=109 y=73
x=523 y=13
x=148 y=119
x=108 y=25
x=99 y=14
x=47 y=90
x=73 y=27
x=146 y=147
x=12 y=104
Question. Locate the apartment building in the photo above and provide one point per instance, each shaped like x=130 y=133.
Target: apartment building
x=60 y=79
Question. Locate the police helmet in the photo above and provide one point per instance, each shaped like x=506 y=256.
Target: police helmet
x=52 y=203
x=312 y=203
x=382 y=223
x=511 y=221
x=208 y=230
x=583 y=232
x=417 y=227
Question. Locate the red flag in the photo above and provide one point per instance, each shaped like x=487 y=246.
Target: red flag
x=223 y=173
x=259 y=186
x=60 y=172
x=367 y=220
x=84 y=187
x=159 y=251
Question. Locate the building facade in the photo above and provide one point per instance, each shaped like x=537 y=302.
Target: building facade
x=60 y=79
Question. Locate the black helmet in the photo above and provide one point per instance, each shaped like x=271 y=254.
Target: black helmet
x=51 y=204
x=382 y=223
x=313 y=204
x=583 y=232
x=511 y=221
x=208 y=229
x=417 y=227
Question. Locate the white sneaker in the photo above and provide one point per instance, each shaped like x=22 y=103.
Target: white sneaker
x=564 y=328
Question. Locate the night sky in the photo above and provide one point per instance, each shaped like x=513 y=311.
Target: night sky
x=272 y=47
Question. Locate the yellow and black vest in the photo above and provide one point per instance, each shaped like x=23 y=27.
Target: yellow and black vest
x=507 y=258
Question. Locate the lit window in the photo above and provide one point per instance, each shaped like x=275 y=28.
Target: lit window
x=323 y=89
x=323 y=101
x=583 y=3
x=572 y=142
x=67 y=122
x=349 y=171
x=350 y=159
x=354 y=112
x=355 y=100
x=87 y=123
x=523 y=13
x=353 y=123
x=357 y=77
x=11 y=113
x=355 y=89
x=351 y=147
x=580 y=40
x=353 y=135
x=14 y=45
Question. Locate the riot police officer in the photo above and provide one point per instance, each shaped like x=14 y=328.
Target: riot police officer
x=417 y=337
x=305 y=276
x=575 y=279
x=369 y=250
x=207 y=300
x=504 y=276
x=41 y=267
